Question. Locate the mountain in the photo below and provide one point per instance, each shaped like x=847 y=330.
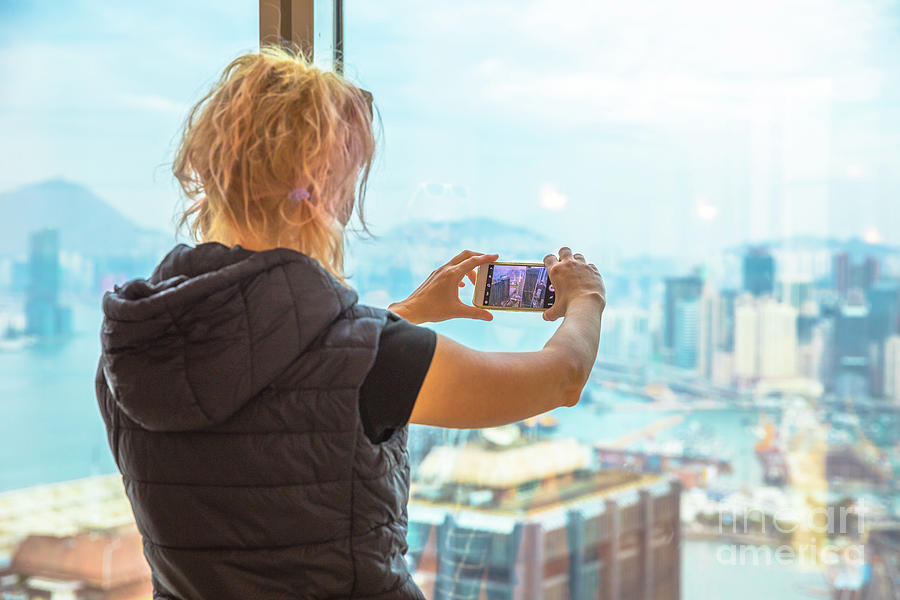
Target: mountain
x=87 y=224
x=398 y=260
x=449 y=238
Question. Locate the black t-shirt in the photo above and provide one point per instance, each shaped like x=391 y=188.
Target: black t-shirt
x=387 y=395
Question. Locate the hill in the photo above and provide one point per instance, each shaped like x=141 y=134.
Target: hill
x=87 y=224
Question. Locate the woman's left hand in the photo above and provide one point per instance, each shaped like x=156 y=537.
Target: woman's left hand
x=437 y=299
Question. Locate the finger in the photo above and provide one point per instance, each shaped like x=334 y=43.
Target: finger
x=550 y=260
x=551 y=314
x=462 y=256
x=461 y=284
x=470 y=263
x=565 y=252
x=471 y=275
x=579 y=256
x=473 y=312
x=594 y=267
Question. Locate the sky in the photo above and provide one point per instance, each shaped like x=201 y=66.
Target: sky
x=646 y=127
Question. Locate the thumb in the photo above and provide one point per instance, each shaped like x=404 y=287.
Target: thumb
x=473 y=312
x=552 y=313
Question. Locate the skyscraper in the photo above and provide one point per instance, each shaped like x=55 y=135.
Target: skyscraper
x=687 y=325
x=677 y=289
x=44 y=316
x=884 y=318
x=793 y=292
x=708 y=334
x=531 y=278
x=892 y=367
x=746 y=339
x=759 y=272
x=851 y=342
x=725 y=326
x=777 y=339
x=625 y=336
x=852 y=275
x=500 y=292
x=765 y=339
x=841 y=272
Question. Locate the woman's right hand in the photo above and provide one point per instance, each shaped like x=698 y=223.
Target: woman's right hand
x=572 y=278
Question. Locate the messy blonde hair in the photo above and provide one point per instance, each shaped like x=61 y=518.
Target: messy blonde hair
x=271 y=124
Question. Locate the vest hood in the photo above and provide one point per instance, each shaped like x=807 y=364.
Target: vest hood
x=210 y=329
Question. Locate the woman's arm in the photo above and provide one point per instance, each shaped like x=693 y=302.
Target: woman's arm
x=466 y=388
x=437 y=299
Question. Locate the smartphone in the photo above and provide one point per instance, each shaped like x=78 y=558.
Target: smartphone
x=513 y=286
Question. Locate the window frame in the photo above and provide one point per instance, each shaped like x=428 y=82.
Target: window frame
x=293 y=23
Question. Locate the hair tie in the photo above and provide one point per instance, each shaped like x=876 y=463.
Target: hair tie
x=299 y=195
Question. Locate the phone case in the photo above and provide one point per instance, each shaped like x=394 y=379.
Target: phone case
x=510 y=308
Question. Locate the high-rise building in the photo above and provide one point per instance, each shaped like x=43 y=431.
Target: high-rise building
x=677 y=289
x=884 y=309
x=499 y=292
x=883 y=298
x=765 y=339
x=851 y=339
x=759 y=272
x=841 y=272
x=725 y=327
x=531 y=278
x=849 y=274
x=794 y=292
x=871 y=271
x=777 y=340
x=687 y=333
x=708 y=334
x=892 y=368
x=539 y=520
x=746 y=340
x=44 y=317
x=626 y=335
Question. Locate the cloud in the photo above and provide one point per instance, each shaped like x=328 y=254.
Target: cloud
x=551 y=199
x=154 y=103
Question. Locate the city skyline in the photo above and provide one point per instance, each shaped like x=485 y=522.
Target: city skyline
x=729 y=168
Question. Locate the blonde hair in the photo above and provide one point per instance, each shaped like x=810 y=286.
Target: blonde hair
x=271 y=124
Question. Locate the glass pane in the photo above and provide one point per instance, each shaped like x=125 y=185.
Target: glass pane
x=731 y=171
x=323 y=24
x=93 y=95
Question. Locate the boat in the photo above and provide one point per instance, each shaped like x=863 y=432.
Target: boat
x=771 y=457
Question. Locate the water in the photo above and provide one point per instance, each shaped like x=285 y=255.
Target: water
x=705 y=577
x=50 y=427
x=51 y=430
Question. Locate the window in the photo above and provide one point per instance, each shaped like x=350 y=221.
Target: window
x=93 y=96
x=731 y=168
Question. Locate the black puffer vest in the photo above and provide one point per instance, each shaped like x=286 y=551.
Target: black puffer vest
x=229 y=386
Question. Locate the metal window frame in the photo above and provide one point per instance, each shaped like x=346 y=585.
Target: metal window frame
x=292 y=22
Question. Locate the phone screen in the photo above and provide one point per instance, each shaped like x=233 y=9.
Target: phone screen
x=518 y=286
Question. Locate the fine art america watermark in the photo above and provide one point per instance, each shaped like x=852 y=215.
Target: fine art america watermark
x=831 y=536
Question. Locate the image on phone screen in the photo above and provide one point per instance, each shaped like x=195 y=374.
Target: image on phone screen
x=518 y=286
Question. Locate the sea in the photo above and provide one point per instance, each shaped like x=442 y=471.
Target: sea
x=51 y=430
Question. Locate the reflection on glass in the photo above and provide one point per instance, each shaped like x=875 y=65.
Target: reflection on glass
x=730 y=169
x=738 y=204
x=93 y=93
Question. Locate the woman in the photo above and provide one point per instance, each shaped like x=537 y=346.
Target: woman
x=257 y=412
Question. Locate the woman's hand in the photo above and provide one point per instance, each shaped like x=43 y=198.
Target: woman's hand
x=573 y=278
x=437 y=299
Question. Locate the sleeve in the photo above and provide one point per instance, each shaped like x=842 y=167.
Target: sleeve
x=387 y=395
